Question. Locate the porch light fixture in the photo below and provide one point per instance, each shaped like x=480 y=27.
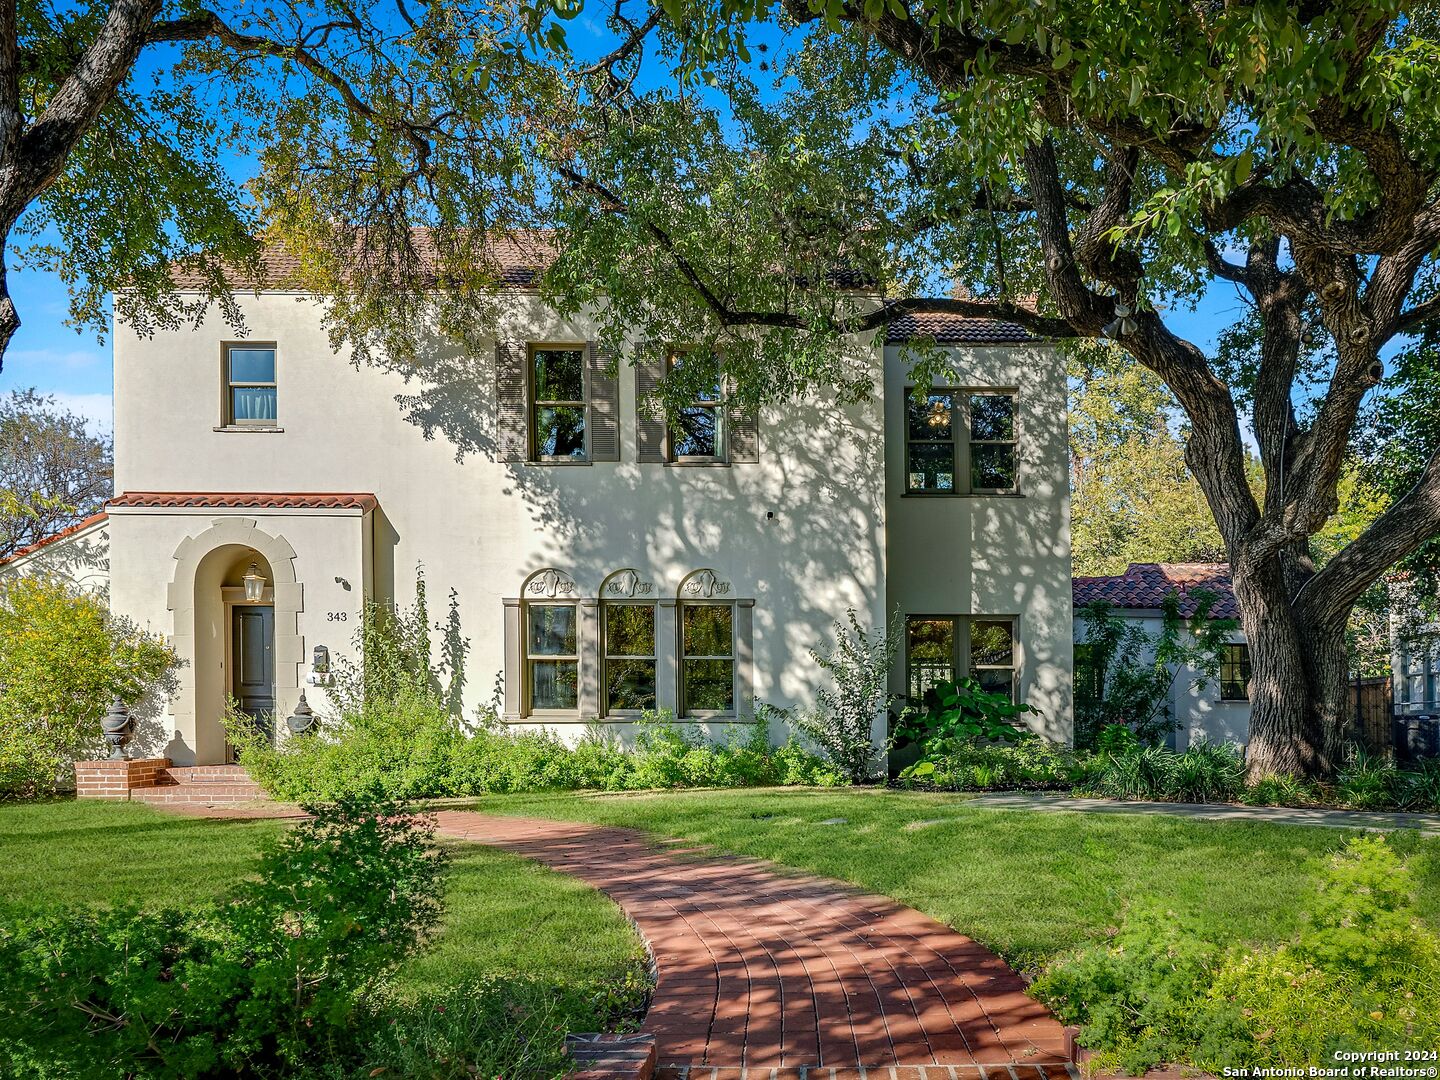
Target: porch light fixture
x=254 y=585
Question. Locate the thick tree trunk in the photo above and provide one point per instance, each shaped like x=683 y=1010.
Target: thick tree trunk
x=1299 y=670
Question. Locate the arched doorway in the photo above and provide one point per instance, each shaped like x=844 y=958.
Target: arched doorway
x=237 y=646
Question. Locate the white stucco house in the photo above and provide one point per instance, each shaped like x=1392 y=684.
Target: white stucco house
x=1204 y=709
x=603 y=562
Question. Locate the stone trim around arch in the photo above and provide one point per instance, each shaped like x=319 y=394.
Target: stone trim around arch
x=288 y=601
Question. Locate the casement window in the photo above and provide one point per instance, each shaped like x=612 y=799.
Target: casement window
x=706 y=430
x=628 y=673
x=939 y=646
x=552 y=658
x=556 y=403
x=251 y=391
x=697 y=432
x=960 y=442
x=1235 y=672
x=707 y=659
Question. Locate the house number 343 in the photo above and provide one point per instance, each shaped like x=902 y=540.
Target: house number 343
x=337 y=616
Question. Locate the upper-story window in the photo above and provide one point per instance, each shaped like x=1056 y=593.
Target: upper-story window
x=697 y=433
x=960 y=442
x=251 y=397
x=557 y=403
x=552 y=657
x=1235 y=672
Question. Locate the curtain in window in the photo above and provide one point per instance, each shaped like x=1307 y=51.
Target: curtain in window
x=254 y=403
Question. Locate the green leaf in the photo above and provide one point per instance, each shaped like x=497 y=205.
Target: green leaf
x=1244 y=165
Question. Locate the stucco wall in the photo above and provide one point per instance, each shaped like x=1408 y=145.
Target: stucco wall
x=83 y=558
x=1002 y=555
x=802 y=532
x=168 y=570
x=1195 y=703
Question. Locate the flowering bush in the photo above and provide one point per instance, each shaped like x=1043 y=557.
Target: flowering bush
x=63 y=657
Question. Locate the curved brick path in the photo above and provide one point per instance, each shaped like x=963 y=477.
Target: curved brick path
x=759 y=967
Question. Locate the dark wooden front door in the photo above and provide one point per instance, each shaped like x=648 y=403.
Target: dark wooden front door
x=252 y=663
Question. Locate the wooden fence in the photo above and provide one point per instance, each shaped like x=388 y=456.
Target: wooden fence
x=1372 y=707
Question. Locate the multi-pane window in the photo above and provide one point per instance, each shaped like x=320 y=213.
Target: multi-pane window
x=959 y=442
x=930 y=654
x=939 y=646
x=552 y=657
x=557 y=402
x=629 y=637
x=250 y=390
x=707 y=658
x=992 y=655
x=697 y=431
x=1234 y=672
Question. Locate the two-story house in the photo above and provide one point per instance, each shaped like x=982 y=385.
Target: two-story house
x=604 y=561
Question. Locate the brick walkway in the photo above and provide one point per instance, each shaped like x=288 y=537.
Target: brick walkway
x=762 y=968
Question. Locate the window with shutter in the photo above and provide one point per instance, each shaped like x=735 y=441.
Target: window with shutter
x=603 y=393
x=512 y=430
x=649 y=414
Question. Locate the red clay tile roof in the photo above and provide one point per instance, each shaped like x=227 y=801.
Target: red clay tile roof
x=956 y=330
x=232 y=500
x=1145 y=586
x=54 y=538
x=517 y=259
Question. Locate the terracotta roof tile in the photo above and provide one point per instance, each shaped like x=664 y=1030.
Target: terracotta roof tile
x=54 y=538
x=956 y=330
x=517 y=259
x=1145 y=586
x=234 y=500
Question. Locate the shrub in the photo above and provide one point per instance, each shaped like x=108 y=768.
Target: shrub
x=1140 y=998
x=271 y=979
x=1204 y=772
x=1362 y=974
x=1367 y=781
x=843 y=725
x=1419 y=786
x=1124 y=674
x=412 y=748
x=63 y=657
x=1281 y=790
x=1031 y=762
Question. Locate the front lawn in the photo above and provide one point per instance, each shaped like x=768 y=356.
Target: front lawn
x=1028 y=885
x=509 y=922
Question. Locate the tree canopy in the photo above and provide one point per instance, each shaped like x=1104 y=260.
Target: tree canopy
x=771 y=179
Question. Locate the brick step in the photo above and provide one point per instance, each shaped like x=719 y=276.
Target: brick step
x=204 y=774
x=197 y=793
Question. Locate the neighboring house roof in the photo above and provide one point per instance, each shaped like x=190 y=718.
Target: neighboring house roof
x=241 y=500
x=1144 y=586
x=949 y=329
x=55 y=538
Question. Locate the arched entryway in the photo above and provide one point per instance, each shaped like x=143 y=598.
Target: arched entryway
x=233 y=645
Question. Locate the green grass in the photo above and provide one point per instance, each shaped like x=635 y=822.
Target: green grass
x=1027 y=884
x=93 y=852
x=506 y=916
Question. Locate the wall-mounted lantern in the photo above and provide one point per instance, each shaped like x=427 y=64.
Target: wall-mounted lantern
x=320 y=660
x=254 y=585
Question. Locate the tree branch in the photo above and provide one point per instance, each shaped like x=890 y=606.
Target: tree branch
x=1395 y=534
